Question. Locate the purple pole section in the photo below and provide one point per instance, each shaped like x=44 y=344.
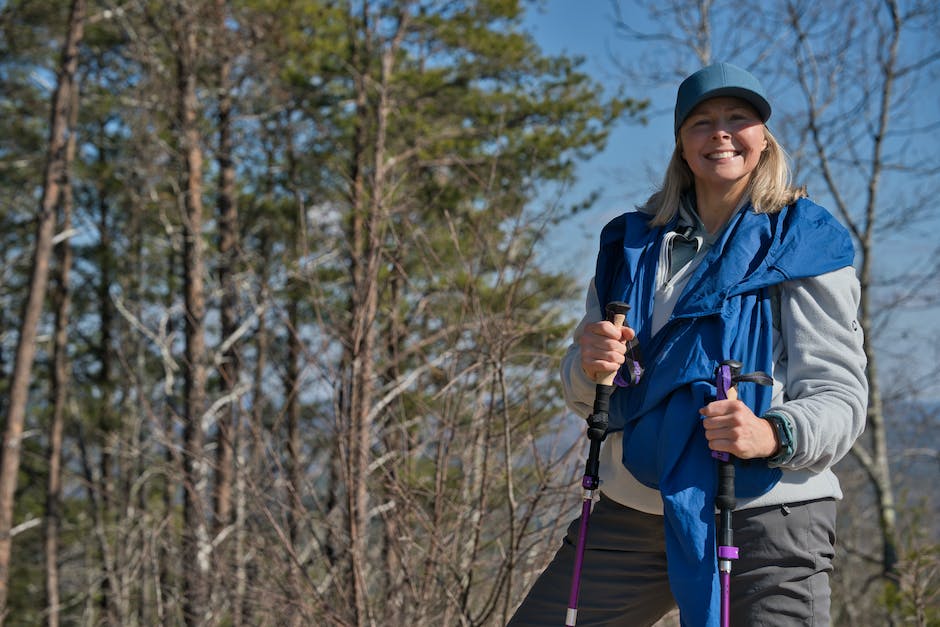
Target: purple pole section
x=725 y=383
x=579 y=560
x=725 y=599
x=722 y=394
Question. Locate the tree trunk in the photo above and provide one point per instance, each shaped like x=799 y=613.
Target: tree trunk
x=230 y=366
x=107 y=419
x=881 y=470
x=367 y=234
x=295 y=461
x=295 y=457
x=60 y=381
x=228 y=253
x=357 y=366
x=39 y=276
x=196 y=548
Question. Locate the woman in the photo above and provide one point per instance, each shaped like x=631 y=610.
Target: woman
x=726 y=261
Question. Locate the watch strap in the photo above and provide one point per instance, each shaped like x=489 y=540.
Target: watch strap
x=783 y=428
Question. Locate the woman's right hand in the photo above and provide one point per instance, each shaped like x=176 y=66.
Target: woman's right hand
x=603 y=348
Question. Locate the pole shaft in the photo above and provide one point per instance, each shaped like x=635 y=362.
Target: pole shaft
x=575 y=592
x=725 y=499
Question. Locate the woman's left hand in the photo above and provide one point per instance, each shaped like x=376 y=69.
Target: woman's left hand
x=731 y=427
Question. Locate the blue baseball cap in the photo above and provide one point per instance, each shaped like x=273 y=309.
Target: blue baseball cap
x=720 y=79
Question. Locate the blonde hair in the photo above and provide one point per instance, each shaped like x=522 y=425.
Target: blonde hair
x=770 y=188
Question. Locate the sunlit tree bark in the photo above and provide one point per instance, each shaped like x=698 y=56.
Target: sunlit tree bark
x=196 y=543
x=54 y=179
x=60 y=378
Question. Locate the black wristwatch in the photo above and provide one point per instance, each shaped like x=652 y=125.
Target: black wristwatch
x=784 y=434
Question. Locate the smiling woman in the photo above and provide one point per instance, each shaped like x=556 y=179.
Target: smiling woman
x=726 y=261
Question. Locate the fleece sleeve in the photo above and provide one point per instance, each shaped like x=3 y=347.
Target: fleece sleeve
x=826 y=389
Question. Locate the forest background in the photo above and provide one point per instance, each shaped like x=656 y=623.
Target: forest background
x=284 y=285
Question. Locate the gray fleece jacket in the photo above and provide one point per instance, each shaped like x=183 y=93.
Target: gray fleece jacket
x=820 y=387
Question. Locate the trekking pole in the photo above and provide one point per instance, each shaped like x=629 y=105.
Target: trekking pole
x=596 y=432
x=727 y=375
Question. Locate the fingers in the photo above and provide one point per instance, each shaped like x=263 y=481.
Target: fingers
x=606 y=329
x=626 y=334
x=731 y=427
x=603 y=347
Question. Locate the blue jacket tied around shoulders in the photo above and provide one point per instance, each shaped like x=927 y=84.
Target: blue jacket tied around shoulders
x=725 y=312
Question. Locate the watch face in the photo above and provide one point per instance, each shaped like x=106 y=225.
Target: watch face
x=784 y=439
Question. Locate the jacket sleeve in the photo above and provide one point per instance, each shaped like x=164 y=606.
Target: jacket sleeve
x=578 y=388
x=826 y=389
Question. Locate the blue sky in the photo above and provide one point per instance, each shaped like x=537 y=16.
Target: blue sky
x=636 y=154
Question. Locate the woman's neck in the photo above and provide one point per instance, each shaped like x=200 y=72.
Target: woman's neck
x=715 y=207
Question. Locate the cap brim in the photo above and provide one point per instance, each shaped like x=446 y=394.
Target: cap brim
x=754 y=99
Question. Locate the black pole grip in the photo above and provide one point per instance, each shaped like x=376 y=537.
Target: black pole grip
x=598 y=420
x=726 y=498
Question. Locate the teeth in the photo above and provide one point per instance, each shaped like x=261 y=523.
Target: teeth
x=721 y=155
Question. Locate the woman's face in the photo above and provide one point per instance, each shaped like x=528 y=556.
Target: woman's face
x=722 y=140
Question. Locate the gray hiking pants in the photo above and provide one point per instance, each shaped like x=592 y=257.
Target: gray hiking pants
x=781 y=578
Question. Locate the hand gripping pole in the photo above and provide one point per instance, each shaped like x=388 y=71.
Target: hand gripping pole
x=596 y=432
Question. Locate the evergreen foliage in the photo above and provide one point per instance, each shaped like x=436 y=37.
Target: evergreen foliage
x=397 y=342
